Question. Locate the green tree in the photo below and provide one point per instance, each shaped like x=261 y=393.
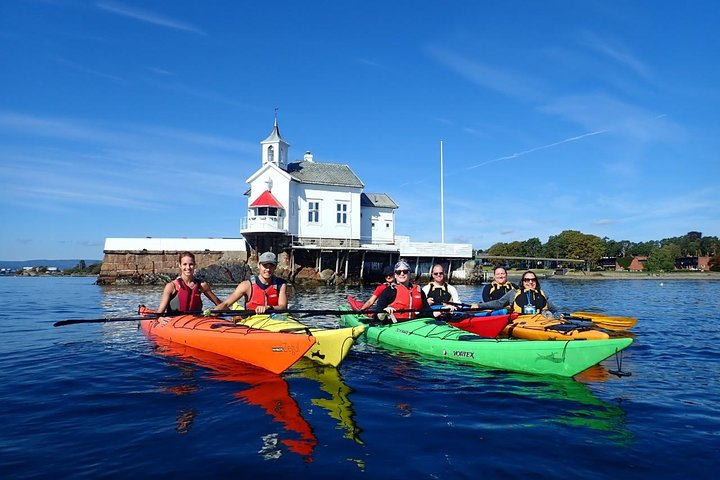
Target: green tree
x=662 y=259
x=499 y=248
x=624 y=262
x=532 y=248
x=643 y=248
x=94 y=269
x=575 y=244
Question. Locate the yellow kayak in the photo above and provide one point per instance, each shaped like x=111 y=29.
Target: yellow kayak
x=538 y=327
x=331 y=344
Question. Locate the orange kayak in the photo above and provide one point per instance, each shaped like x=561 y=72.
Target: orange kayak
x=537 y=327
x=273 y=351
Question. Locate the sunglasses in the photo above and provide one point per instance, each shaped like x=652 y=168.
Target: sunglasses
x=401 y=272
x=438 y=273
x=529 y=279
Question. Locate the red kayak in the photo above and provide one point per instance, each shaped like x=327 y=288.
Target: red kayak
x=485 y=324
x=356 y=304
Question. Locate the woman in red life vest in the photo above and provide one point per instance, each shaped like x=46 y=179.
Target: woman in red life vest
x=184 y=293
x=396 y=300
x=262 y=293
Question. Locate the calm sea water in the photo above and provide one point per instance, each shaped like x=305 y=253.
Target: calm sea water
x=101 y=400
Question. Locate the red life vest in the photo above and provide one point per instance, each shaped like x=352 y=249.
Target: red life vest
x=406 y=299
x=267 y=296
x=189 y=299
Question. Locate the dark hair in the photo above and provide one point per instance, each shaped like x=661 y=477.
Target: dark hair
x=499 y=266
x=186 y=254
x=537 y=280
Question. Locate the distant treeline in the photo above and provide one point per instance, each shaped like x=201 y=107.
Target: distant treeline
x=661 y=254
x=60 y=264
x=80 y=268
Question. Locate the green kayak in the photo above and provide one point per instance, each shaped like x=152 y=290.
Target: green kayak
x=435 y=338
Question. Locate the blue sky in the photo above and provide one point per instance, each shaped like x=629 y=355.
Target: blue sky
x=133 y=119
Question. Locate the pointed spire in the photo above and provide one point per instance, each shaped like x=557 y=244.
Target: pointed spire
x=275 y=134
x=275 y=149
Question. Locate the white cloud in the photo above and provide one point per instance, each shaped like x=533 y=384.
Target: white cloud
x=147 y=17
x=512 y=85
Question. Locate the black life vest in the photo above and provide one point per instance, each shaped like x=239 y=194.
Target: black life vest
x=439 y=294
x=495 y=291
x=529 y=301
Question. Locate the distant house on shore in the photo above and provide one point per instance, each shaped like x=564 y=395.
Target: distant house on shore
x=638 y=264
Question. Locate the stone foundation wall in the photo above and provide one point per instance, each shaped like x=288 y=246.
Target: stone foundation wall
x=218 y=268
x=158 y=267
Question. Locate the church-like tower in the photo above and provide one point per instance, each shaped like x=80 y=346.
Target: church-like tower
x=274 y=148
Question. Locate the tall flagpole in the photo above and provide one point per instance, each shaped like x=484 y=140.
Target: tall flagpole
x=442 y=197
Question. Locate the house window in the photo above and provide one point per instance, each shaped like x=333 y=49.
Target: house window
x=271 y=154
x=342 y=213
x=313 y=212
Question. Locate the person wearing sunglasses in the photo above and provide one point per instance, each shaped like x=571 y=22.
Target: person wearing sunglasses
x=499 y=285
x=438 y=291
x=527 y=299
x=403 y=300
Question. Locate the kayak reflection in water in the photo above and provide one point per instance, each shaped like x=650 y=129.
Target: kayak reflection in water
x=267 y=390
x=339 y=406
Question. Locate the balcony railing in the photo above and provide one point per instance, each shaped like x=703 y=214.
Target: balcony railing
x=262 y=224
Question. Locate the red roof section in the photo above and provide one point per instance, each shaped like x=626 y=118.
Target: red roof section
x=267 y=199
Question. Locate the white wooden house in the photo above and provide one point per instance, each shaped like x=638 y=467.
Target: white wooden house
x=309 y=203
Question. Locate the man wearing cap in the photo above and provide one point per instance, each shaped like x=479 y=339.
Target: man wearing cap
x=403 y=300
x=263 y=292
x=389 y=280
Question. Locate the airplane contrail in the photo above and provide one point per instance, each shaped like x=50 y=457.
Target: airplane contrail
x=525 y=152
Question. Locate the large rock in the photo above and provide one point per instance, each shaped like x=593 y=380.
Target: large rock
x=225 y=273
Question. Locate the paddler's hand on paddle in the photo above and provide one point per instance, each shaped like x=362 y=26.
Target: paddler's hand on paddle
x=261 y=309
x=390 y=317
